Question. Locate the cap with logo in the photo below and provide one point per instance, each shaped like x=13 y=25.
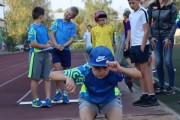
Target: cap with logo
x=99 y=55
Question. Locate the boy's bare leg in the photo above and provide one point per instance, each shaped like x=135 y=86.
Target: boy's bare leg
x=147 y=77
x=87 y=113
x=34 y=89
x=47 y=88
x=115 y=113
x=58 y=67
x=142 y=82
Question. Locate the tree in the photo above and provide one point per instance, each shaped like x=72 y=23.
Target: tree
x=19 y=16
x=91 y=6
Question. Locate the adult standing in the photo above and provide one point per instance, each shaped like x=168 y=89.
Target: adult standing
x=162 y=18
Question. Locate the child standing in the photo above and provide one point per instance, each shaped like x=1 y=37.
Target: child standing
x=139 y=53
x=102 y=34
x=99 y=78
x=63 y=32
x=127 y=30
x=87 y=39
x=39 y=67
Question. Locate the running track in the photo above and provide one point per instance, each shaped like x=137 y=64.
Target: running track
x=15 y=88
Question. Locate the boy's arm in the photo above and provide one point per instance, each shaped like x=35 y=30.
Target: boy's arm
x=145 y=36
x=40 y=46
x=93 y=38
x=59 y=76
x=70 y=41
x=84 y=37
x=131 y=72
x=128 y=39
x=53 y=38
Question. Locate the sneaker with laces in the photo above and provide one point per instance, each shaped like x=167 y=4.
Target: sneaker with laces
x=65 y=98
x=151 y=101
x=57 y=95
x=139 y=102
x=169 y=91
x=37 y=103
x=160 y=91
x=47 y=103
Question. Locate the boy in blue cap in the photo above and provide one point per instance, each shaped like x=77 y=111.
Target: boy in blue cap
x=99 y=78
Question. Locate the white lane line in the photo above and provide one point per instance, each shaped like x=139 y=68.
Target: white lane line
x=156 y=79
x=12 y=79
x=12 y=66
x=9 y=61
x=85 y=57
x=29 y=91
x=52 y=101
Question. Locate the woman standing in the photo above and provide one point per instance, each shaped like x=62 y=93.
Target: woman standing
x=162 y=18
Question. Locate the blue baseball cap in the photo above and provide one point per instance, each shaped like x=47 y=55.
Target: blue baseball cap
x=99 y=55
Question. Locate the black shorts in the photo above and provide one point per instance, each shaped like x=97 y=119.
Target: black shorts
x=137 y=56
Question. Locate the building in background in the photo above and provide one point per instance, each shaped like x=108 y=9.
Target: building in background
x=2 y=20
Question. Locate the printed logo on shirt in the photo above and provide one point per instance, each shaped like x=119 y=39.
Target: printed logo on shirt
x=100 y=58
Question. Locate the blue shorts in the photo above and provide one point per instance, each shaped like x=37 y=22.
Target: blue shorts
x=104 y=107
x=63 y=57
x=137 y=56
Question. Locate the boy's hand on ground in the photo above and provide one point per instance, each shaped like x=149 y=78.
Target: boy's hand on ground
x=70 y=85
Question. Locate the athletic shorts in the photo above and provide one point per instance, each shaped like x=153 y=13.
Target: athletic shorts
x=63 y=57
x=103 y=107
x=137 y=56
x=39 y=67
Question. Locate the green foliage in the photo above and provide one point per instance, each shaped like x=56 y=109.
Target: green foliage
x=78 y=46
x=177 y=4
x=10 y=43
x=86 y=16
x=19 y=16
x=177 y=40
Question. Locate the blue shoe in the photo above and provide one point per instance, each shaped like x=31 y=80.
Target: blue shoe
x=65 y=99
x=47 y=103
x=57 y=96
x=37 y=103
